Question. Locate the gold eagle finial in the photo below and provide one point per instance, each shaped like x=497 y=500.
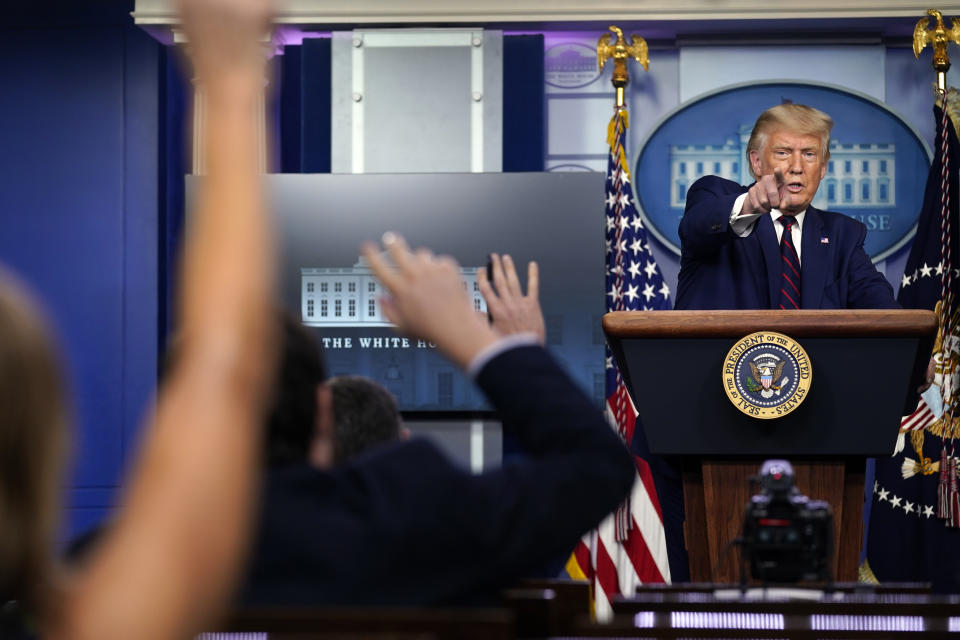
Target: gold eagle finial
x=938 y=37
x=620 y=51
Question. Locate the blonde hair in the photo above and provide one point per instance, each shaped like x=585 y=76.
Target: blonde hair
x=33 y=433
x=797 y=118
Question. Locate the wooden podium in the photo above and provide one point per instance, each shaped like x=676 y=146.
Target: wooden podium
x=865 y=364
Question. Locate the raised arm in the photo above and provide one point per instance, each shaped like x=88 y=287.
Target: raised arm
x=705 y=225
x=576 y=471
x=168 y=565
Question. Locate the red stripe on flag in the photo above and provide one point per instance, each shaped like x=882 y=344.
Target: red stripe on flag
x=643 y=470
x=606 y=572
x=622 y=410
x=916 y=420
x=918 y=415
x=641 y=558
x=582 y=555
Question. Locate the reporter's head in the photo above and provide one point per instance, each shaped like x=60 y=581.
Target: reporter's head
x=364 y=415
x=33 y=435
x=293 y=412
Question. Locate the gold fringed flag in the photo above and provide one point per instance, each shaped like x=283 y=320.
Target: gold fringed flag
x=913 y=532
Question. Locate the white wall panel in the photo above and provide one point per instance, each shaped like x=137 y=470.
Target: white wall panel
x=858 y=68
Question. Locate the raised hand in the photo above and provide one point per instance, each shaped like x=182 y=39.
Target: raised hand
x=226 y=35
x=768 y=192
x=511 y=310
x=202 y=449
x=427 y=299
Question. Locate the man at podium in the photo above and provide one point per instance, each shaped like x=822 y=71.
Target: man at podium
x=764 y=246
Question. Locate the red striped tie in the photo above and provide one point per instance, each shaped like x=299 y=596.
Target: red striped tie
x=790 y=267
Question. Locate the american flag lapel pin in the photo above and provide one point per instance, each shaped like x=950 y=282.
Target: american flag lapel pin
x=824 y=240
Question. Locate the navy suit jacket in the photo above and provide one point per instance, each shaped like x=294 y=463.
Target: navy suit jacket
x=405 y=525
x=720 y=270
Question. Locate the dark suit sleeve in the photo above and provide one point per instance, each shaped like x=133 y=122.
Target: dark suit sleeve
x=867 y=287
x=705 y=226
x=576 y=471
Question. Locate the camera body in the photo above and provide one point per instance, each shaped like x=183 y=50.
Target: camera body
x=786 y=536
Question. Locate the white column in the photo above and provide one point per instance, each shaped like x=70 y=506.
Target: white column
x=198 y=154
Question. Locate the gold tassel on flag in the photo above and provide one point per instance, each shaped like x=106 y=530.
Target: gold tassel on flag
x=943 y=503
x=948 y=491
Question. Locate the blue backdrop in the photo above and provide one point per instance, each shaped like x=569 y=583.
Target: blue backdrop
x=79 y=214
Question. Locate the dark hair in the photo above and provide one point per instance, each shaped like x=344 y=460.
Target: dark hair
x=364 y=414
x=292 y=417
x=33 y=435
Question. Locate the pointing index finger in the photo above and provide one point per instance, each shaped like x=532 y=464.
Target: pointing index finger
x=778 y=176
x=783 y=196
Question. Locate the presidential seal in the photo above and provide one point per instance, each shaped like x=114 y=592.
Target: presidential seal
x=766 y=375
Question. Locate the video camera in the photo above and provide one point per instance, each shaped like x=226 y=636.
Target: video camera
x=786 y=536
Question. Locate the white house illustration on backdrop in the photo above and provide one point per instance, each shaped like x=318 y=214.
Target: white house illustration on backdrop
x=858 y=175
x=349 y=296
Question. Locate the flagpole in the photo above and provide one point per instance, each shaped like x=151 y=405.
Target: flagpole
x=939 y=38
x=629 y=547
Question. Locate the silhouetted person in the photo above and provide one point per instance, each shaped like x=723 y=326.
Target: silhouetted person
x=401 y=523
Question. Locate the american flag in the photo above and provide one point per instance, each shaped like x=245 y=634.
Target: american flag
x=629 y=547
x=907 y=540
